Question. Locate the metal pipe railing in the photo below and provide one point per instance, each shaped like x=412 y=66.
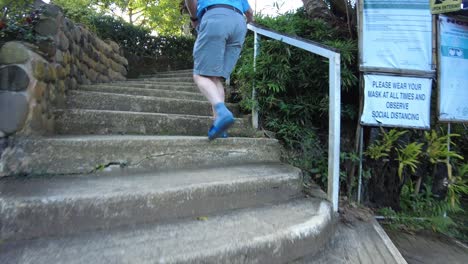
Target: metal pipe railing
x=334 y=93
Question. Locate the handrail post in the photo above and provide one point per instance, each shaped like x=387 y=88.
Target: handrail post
x=255 y=107
x=334 y=95
x=334 y=131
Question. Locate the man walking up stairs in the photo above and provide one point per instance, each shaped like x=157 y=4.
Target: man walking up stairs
x=130 y=177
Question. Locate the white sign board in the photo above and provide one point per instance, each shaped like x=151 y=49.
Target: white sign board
x=397 y=34
x=453 y=79
x=397 y=101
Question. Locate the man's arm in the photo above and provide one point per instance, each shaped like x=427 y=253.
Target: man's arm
x=192 y=9
x=249 y=15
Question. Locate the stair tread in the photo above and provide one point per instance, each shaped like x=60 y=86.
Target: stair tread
x=214 y=239
x=97 y=138
x=173 y=116
x=65 y=188
x=154 y=92
x=138 y=89
x=107 y=199
x=143 y=97
x=83 y=153
x=189 y=84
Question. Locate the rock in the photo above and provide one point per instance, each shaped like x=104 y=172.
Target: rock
x=71 y=70
x=14 y=109
x=51 y=93
x=92 y=75
x=51 y=10
x=47 y=27
x=63 y=41
x=69 y=25
x=59 y=58
x=14 y=53
x=115 y=47
x=101 y=68
x=60 y=71
x=36 y=121
x=77 y=35
x=13 y=78
x=39 y=70
x=73 y=84
x=61 y=87
x=67 y=57
x=39 y=90
x=51 y=73
x=47 y=47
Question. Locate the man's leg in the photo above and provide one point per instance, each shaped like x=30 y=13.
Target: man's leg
x=219 y=85
x=220 y=89
x=213 y=90
x=209 y=86
x=209 y=56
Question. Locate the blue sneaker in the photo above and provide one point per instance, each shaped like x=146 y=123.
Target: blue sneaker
x=223 y=121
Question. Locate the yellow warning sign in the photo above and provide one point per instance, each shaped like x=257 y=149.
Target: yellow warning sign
x=445 y=6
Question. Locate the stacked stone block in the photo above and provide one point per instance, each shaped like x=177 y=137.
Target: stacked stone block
x=34 y=79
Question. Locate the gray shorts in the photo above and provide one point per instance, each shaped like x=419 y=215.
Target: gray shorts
x=221 y=34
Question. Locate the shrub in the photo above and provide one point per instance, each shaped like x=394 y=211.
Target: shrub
x=292 y=87
x=135 y=40
x=18 y=21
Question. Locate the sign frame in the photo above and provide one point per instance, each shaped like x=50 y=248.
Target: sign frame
x=439 y=74
x=369 y=69
x=428 y=100
x=448 y=6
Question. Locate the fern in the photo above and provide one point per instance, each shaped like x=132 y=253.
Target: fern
x=408 y=157
x=438 y=147
x=382 y=148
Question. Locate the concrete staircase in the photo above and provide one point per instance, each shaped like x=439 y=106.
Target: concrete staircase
x=132 y=178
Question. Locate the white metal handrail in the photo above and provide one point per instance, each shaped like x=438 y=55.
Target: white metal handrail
x=335 y=99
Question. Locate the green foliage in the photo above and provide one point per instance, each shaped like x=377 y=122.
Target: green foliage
x=422 y=211
x=163 y=16
x=420 y=208
x=138 y=40
x=134 y=39
x=408 y=157
x=457 y=186
x=437 y=149
x=18 y=21
x=382 y=148
x=438 y=223
x=79 y=11
x=292 y=87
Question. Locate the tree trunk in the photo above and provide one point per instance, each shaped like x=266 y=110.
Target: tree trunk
x=316 y=8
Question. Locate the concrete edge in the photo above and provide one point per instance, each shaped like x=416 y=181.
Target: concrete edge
x=388 y=243
x=287 y=244
x=73 y=215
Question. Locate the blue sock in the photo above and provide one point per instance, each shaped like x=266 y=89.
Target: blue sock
x=221 y=109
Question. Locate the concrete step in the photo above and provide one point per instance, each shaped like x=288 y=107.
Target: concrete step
x=127 y=89
x=88 y=154
x=134 y=103
x=184 y=73
x=160 y=82
x=70 y=205
x=104 y=122
x=270 y=234
x=167 y=79
x=168 y=74
x=181 y=87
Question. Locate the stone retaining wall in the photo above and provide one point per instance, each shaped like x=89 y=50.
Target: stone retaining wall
x=34 y=79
